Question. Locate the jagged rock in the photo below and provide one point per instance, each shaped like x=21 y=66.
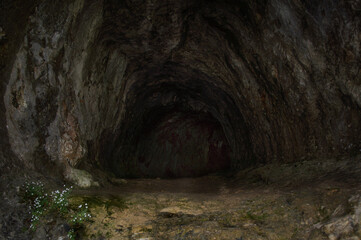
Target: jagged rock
x=347 y=226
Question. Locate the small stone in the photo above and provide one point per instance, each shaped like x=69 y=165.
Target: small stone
x=332 y=237
x=247 y=225
x=177 y=212
x=170 y=212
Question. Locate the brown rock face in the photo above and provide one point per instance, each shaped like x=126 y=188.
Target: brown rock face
x=184 y=88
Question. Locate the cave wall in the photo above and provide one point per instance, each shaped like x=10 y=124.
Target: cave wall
x=281 y=78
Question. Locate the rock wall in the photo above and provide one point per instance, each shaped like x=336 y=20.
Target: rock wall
x=281 y=79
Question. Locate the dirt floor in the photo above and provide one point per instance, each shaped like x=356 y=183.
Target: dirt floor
x=309 y=200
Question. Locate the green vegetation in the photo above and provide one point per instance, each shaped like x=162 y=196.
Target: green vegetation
x=93 y=201
x=255 y=217
x=43 y=203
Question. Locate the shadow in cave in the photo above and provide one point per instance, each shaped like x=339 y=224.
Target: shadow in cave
x=180 y=144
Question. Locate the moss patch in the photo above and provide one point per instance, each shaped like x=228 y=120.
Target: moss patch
x=96 y=201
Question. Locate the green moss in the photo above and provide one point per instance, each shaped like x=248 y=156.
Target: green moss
x=108 y=235
x=117 y=202
x=255 y=217
x=94 y=201
x=227 y=220
x=147 y=230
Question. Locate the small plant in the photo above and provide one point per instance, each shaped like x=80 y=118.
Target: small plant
x=38 y=200
x=33 y=190
x=81 y=215
x=60 y=200
x=37 y=210
x=255 y=217
x=71 y=234
x=42 y=203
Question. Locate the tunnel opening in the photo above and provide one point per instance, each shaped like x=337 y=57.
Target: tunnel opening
x=172 y=142
x=182 y=144
x=174 y=130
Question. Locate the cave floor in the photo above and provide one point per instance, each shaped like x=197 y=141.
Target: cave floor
x=258 y=203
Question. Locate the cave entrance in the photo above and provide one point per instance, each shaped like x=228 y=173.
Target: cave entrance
x=175 y=144
x=175 y=130
x=182 y=144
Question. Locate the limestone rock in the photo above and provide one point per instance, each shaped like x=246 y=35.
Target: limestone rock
x=80 y=178
x=345 y=227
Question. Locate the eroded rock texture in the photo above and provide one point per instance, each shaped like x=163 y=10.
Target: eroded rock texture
x=145 y=88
